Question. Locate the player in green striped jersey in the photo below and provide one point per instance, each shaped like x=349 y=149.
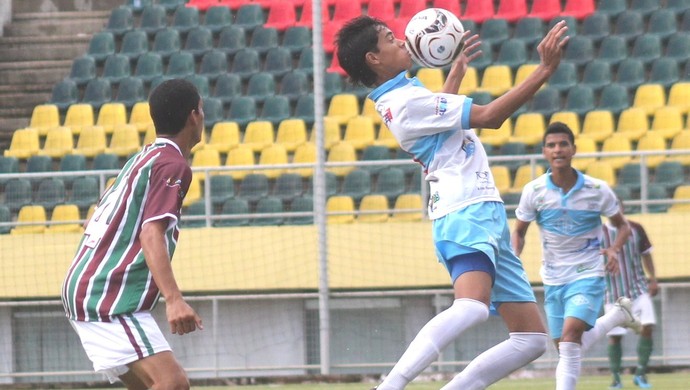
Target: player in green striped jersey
x=122 y=264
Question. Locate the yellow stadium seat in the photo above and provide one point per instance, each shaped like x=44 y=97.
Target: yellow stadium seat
x=497 y=137
x=408 y=208
x=523 y=72
x=258 y=135
x=681 y=193
x=501 y=175
x=369 y=109
x=598 y=125
x=651 y=142
x=274 y=154
x=78 y=116
x=570 y=118
x=31 y=214
x=91 y=141
x=90 y=212
x=681 y=142
x=371 y=203
x=150 y=134
x=470 y=82
x=584 y=145
x=342 y=107
x=65 y=219
x=59 y=142
x=604 y=171
x=385 y=137
x=194 y=193
x=529 y=128
x=632 y=123
x=305 y=154
x=650 y=97
x=679 y=96
x=497 y=80
x=140 y=116
x=616 y=143
x=360 y=132
x=525 y=174
x=331 y=130
x=205 y=158
x=24 y=144
x=667 y=122
x=239 y=155
x=200 y=145
x=432 y=79
x=44 y=117
x=344 y=206
x=342 y=152
x=110 y=115
x=291 y=133
x=124 y=141
x=224 y=136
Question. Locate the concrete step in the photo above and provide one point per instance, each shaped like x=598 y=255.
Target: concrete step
x=43 y=48
x=43 y=73
x=24 y=6
x=23 y=99
x=57 y=23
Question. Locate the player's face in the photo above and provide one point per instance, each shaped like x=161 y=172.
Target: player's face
x=558 y=150
x=199 y=116
x=392 y=52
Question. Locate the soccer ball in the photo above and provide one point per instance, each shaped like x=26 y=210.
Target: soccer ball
x=434 y=37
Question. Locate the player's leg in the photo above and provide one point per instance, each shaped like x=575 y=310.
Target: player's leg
x=159 y=371
x=644 y=308
x=615 y=352
x=472 y=289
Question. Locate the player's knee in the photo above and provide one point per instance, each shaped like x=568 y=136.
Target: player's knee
x=174 y=381
x=530 y=344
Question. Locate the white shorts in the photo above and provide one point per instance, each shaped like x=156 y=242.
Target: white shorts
x=642 y=307
x=112 y=345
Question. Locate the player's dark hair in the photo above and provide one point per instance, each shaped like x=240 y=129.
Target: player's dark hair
x=358 y=37
x=559 y=128
x=170 y=104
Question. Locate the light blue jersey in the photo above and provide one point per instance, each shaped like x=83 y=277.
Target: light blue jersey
x=570 y=225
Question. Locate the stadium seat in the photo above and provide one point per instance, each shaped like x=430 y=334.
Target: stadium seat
x=530 y=30
x=44 y=117
x=38 y=164
x=263 y=39
x=408 y=8
x=631 y=73
x=523 y=175
x=645 y=7
x=24 y=144
x=130 y=91
x=330 y=30
x=281 y=15
x=678 y=6
x=231 y=40
x=579 y=9
x=224 y=136
x=598 y=125
x=664 y=71
x=571 y=119
x=5 y=217
x=513 y=149
x=152 y=19
x=300 y=204
x=513 y=53
x=390 y=183
x=249 y=17
x=595 y=26
x=258 y=135
x=217 y=17
x=604 y=171
x=408 y=208
x=194 y=209
x=268 y=205
x=584 y=145
x=140 y=116
x=678 y=47
x=274 y=154
x=106 y=161
x=98 y=92
x=149 y=66
x=360 y=132
x=648 y=143
x=383 y=9
x=356 y=184
x=206 y=157
x=166 y=43
x=662 y=23
x=682 y=196
x=278 y=61
x=494 y=31
x=253 y=187
x=58 y=142
x=597 y=75
x=580 y=99
x=565 y=77
x=34 y=216
x=8 y=165
x=91 y=141
x=613 y=49
x=199 y=41
x=679 y=97
x=615 y=98
x=64 y=94
x=228 y=87
x=669 y=175
x=234 y=4
x=304 y=154
x=342 y=107
x=478 y=11
x=630 y=176
x=260 y=86
x=646 y=48
x=222 y=188
x=120 y=21
x=342 y=152
x=331 y=133
x=237 y=211
x=340 y=209
x=375 y=153
x=616 y=143
x=288 y=186
x=501 y=175
x=246 y=63
x=111 y=115
x=83 y=70
x=181 y=64
x=497 y=137
x=50 y=193
x=296 y=38
x=470 y=82
x=213 y=109
x=432 y=79
x=384 y=137
x=305 y=18
x=529 y=129
x=544 y=9
x=649 y=97
x=124 y=141
x=295 y=83
x=373 y=208
x=546 y=102
x=276 y=108
x=512 y=10
x=496 y=80
x=102 y=45
x=570 y=22
x=305 y=61
x=304 y=108
x=632 y=123
x=185 y=19
x=291 y=133
x=345 y=10
x=241 y=155
x=580 y=50
x=134 y=44
x=72 y=163
x=629 y=25
x=242 y=110
x=667 y=122
x=18 y=193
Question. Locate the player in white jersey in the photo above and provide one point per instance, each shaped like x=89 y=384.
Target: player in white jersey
x=469 y=220
x=634 y=259
x=568 y=205
x=122 y=264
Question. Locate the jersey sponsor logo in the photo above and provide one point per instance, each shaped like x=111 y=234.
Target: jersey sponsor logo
x=433 y=200
x=582 y=268
x=173 y=182
x=484 y=180
x=385 y=114
x=441 y=105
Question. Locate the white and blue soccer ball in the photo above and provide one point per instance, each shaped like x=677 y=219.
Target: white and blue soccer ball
x=434 y=37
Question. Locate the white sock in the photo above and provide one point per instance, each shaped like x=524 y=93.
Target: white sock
x=603 y=325
x=568 y=368
x=432 y=339
x=484 y=370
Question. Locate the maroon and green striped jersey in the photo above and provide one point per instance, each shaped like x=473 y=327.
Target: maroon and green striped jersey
x=630 y=281
x=109 y=275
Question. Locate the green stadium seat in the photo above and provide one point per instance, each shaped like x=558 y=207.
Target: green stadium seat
x=213 y=64
x=195 y=209
x=513 y=149
x=485 y=59
x=222 y=189
x=5 y=217
x=249 y=17
x=357 y=184
x=72 y=163
x=580 y=50
x=199 y=41
x=646 y=48
x=657 y=192
x=570 y=21
x=213 y=108
x=106 y=161
x=18 y=193
x=263 y=39
x=596 y=27
x=116 y=68
x=253 y=187
x=64 y=94
x=228 y=87
x=185 y=19
x=375 y=153
x=83 y=70
x=130 y=91
x=134 y=44
x=665 y=72
x=580 y=99
x=217 y=18
x=181 y=65
x=268 y=205
x=613 y=49
x=304 y=108
x=97 y=92
x=662 y=23
x=296 y=38
x=242 y=110
x=615 y=98
x=494 y=31
x=669 y=174
x=201 y=83
x=305 y=61
x=295 y=84
x=149 y=67
x=153 y=18
x=629 y=176
x=278 y=61
x=102 y=45
x=529 y=30
x=231 y=40
x=512 y=52
x=166 y=42
x=120 y=21
x=288 y=186
x=51 y=192
x=276 y=108
x=597 y=75
x=260 y=86
x=8 y=164
x=630 y=73
x=171 y=5
x=564 y=78
x=304 y=203
x=85 y=192
x=546 y=101
x=612 y=8
x=645 y=7
x=678 y=6
x=390 y=182
x=629 y=25
x=678 y=47
x=246 y=63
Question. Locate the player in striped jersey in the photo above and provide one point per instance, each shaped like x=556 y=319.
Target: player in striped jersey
x=122 y=264
x=634 y=259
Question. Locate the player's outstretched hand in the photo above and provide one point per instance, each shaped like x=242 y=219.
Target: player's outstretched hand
x=611 y=260
x=182 y=318
x=551 y=47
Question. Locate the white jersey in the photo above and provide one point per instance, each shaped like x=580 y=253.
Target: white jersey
x=435 y=129
x=570 y=225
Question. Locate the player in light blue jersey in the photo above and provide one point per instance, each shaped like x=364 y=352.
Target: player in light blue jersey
x=568 y=205
x=469 y=221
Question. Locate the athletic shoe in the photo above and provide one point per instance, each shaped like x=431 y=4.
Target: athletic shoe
x=641 y=382
x=632 y=322
x=616 y=384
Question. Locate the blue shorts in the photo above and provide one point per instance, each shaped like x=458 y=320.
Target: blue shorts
x=483 y=227
x=581 y=299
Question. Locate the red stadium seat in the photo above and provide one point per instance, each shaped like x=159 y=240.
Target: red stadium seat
x=478 y=10
x=346 y=10
x=234 y=4
x=408 y=8
x=305 y=18
x=545 y=9
x=451 y=5
x=330 y=29
x=512 y=10
x=335 y=66
x=397 y=26
x=202 y=5
x=381 y=9
x=281 y=15
x=579 y=9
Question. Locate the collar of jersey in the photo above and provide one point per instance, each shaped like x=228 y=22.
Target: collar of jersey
x=160 y=140
x=398 y=81
x=578 y=184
